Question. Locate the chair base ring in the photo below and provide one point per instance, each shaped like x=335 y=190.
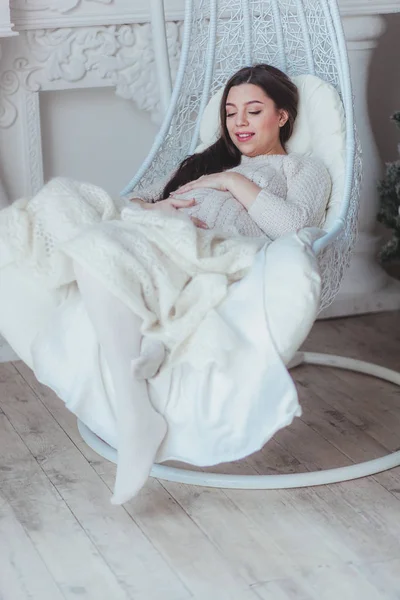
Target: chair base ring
x=269 y=482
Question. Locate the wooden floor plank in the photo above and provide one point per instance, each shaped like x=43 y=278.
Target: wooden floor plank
x=368 y=513
x=282 y=459
x=23 y=574
x=385 y=577
x=337 y=429
x=303 y=533
x=352 y=529
x=71 y=558
x=357 y=407
x=253 y=555
x=183 y=545
x=325 y=583
x=138 y=566
x=351 y=440
x=264 y=550
x=357 y=337
x=200 y=565
x=283 y=589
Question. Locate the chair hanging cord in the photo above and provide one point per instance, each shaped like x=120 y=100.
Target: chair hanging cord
x=247 y=33
x=342 y=62
x=210 y=62
x=326 y=5
x=160 y=138
x=279 y=35
x=306 y=37
x=159 y=34
x=347 y=94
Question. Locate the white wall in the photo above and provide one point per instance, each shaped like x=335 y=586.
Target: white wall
x=93 y=135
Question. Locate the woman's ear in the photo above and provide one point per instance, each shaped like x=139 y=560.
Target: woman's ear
x=283 y=117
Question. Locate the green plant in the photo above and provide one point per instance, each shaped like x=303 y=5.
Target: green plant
x=389 y=211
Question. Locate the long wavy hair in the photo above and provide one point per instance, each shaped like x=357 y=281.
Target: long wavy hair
x=223 y=154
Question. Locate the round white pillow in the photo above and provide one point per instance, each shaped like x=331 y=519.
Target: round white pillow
x=319 y=131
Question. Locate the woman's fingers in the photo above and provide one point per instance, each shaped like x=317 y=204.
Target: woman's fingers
x=185 y=188
x=180 y=203
x=199 y=223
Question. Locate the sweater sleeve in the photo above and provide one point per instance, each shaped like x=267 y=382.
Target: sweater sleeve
x=151 y=193
x=308 y=190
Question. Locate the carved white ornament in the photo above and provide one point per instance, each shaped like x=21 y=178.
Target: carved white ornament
x=120 y=56
x=11 y=81
x=60 y=6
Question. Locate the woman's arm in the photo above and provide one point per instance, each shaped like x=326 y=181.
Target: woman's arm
x=244 y=190
x=241 y=188
x=149 y=194
x=308 y=190
x=170 y=205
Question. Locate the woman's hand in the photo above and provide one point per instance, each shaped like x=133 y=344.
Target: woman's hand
x=216 y=181
x=138 y=201
x=199 y=223
x=241 y=188
x=171 y=205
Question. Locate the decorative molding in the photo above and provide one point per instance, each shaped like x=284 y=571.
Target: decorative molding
x=13 y=81
x=363 y=32
x=52 y=14
x=6 y=27
x=18 y=88
x=59 y=6
x=368 y=7
x=6 y=30
x=9 y=85
x=117 y=56
x=32 y=142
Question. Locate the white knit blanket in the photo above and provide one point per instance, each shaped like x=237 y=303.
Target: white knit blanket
x=168 y=272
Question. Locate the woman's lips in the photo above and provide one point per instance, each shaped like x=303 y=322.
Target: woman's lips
x=244 y=136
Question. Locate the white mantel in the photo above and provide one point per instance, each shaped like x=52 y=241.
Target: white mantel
x=6 y=26
x=87 y=45
x=37 y=14
x=368 y=7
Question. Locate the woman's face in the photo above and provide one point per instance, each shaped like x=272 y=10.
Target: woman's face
x=253 y=121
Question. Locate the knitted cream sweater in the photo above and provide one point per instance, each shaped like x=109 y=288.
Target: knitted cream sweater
x=294 y=193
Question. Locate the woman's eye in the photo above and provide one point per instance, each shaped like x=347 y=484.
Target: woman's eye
x=256 y=112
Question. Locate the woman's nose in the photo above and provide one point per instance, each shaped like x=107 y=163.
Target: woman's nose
x=241 y=119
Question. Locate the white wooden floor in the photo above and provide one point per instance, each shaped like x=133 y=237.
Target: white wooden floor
x=61 y=538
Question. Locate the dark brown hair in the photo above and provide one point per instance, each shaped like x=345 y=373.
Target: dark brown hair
x=223 y=154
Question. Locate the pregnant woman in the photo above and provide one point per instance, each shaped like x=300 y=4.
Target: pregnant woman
x=246 y=183
x=180 y=245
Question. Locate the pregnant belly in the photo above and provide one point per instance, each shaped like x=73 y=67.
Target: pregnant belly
x=220 y=210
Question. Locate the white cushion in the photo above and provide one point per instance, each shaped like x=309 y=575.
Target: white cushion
x=25 y=307
x=292 y=287
x=319 y=131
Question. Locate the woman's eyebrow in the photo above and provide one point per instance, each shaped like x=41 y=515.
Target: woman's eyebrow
x=250 y=102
